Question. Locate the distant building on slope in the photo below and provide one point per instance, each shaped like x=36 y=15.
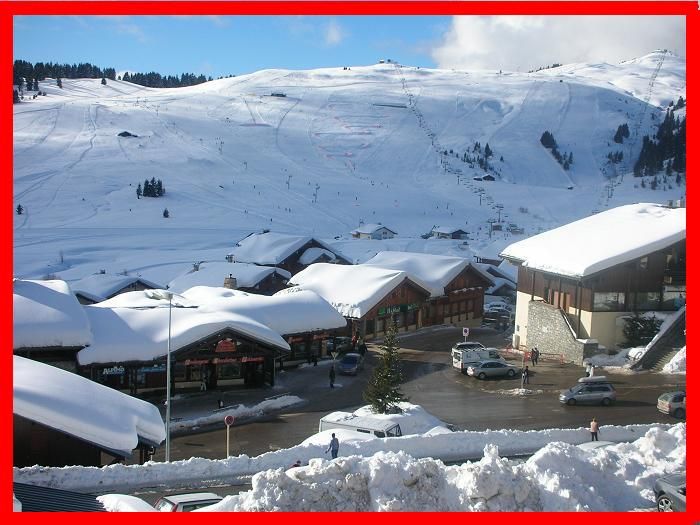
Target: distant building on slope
x=373 y=231
x=579 y=282
x=448 y=232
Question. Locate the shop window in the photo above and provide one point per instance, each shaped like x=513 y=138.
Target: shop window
x=647 y=300
x=609 y=302
x=673 y=297
x=228 y=371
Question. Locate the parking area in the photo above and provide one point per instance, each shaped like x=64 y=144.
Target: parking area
x=432 y=382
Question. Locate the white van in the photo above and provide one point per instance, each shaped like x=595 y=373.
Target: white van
x=366 y=425
x=463 y=358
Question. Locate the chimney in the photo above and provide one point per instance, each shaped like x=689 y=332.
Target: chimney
x=230 y=282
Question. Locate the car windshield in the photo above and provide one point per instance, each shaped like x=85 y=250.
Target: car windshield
x=349 y=360
x=164 y=505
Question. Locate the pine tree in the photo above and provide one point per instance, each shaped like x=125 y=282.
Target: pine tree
x=487 y=151
x=159 y=188
x=104 y=81
x=138 y=191
x=59 y=83
x=147 y=188
x=35 y=87
x=638 y=330
x=166 y=213
x=15 y=96
x=383 y=391
x=20 y=209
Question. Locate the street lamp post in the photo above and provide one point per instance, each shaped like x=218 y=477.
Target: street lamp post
x=167 y=375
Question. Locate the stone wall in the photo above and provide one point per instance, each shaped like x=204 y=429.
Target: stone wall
x=550 y=333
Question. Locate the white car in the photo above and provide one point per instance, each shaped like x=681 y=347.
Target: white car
x=187 y=502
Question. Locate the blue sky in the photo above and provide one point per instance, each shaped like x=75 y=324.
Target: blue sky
x=222 y=45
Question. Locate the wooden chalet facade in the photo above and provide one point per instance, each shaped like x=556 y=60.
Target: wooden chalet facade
x=463 y=302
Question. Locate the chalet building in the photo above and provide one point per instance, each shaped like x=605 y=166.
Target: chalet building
x=369 y=298
x=456 y=286
x=292 y=253
x=101 y=286
x=63 y=419
x=578 y=283
x=250 y=278
x=49 y=324
x=208 y=347
x=373 y=231
x=447 y=232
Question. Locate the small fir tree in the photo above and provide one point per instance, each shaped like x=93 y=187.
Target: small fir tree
x=639 y=331
x=138 y=191
x=166 y=213
x=104 y=81
x=383 y=391
x=20 y=209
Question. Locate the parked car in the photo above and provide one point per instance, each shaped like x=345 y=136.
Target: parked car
x=468 y=345
x=492 y=368
x=589 y=390
x=187 y=502
x=670 y=492
x=339 y=344
x=672 y=403
x=350 y=364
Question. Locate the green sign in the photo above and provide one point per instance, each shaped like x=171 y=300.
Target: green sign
x=396 y=308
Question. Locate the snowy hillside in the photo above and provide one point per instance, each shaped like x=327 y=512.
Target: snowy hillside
x=316 y=152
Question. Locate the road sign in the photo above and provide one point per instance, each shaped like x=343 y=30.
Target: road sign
x=465 y=331
x=229 y=420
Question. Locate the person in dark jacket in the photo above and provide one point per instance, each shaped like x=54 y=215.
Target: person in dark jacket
x=331 y=375
x=333 y=446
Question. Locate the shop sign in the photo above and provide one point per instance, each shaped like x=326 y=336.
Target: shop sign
x=398 y=308
x=318 y=337
x=190 y=362
x=297 y=339
x=252 y=360
x=225 y=345
x=155 y=368
x=222 y=360
x=114 y=371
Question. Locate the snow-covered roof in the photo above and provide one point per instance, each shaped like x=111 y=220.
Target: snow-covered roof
x=82 y=408
x=434 y=271
x=499 y=283
x=105 y=285
x=371 y=228
x=312 y=255
x=47 y=314
x=268 y=248
x=353 y=290
x=284 y=312
x=593 y=244
x=136 y=334
x=213 y=274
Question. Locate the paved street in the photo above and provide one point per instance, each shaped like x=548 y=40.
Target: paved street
x=431 y=381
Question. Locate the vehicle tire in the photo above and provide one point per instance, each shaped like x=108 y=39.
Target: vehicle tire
x=511 y=373
x=664 y=504
x=606 y=401
x=679 y=413
x=482 y=376
x=571 y=402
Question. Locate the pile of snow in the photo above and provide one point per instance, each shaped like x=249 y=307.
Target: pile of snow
x=559 y=477
x=412 y=418
x=677 y=364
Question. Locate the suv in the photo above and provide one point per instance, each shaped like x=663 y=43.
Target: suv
x=672 y=403
x=589 y=390
x=468 y=345
x=187 y=502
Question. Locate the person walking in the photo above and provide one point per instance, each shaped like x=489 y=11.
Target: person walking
x=333 y=446
x=331 y=376
x=526 y=376
x=594 y=430
x=537 y=355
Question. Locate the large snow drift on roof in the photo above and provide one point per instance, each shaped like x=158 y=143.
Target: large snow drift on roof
x=46 y=314
x=434 y=271
x=128 y=334
x=104 y=285
x=603 y=240
x=77 y=406
x=214 y=273
x=267 y=248
x=352 y=290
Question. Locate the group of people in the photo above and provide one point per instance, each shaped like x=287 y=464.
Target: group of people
x=534 y=356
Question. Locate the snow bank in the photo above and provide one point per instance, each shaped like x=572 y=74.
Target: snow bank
x=616 y=478
x=677 y=364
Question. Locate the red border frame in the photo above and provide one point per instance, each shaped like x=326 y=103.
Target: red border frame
x=8 y=9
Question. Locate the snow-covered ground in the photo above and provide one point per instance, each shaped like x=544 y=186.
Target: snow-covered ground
x=344 y=146
x=409 y=473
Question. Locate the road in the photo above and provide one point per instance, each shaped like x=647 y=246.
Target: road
x=430 y=381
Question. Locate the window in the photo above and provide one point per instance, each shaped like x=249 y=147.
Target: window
x=609 y=302
x=673 y=297
x=647 y=300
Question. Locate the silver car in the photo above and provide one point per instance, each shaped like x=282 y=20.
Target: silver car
x=589 y=391
x=670 y=493
x=672 y=403
x=491 y=368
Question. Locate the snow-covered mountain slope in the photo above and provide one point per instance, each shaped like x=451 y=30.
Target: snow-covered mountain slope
x=316 y=152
